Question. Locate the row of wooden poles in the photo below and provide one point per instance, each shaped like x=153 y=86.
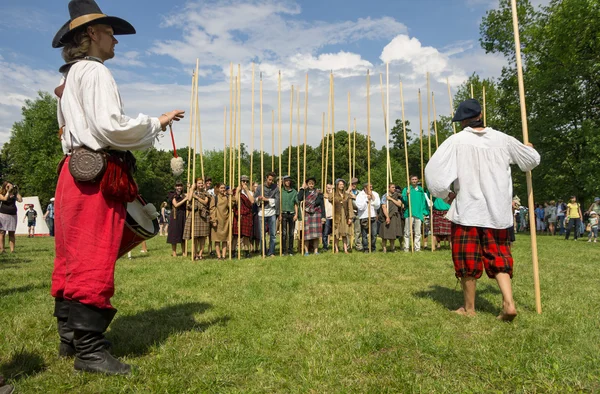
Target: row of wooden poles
x=235 y=137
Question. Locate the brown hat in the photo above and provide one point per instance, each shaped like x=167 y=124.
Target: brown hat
x=353 y=181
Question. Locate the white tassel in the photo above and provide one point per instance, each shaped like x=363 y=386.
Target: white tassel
x=177 y=166
x=150 y=211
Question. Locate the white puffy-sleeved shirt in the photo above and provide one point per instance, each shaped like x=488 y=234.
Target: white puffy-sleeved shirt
x=478 y=164
x=362 y=204
x=92 y=113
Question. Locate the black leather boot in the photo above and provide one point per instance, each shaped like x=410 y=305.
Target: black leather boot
x=91 y=347
x=66 y=348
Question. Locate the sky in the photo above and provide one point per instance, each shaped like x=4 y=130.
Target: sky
x=153 y=68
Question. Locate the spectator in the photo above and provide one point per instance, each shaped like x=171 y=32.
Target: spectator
x=551 y=216
x=539 y=218
x=593 y=223
x=595 y=207
x=163 y=219
x=573 y=218
x=49 y=217
x=178 y=200
x=30 y=216
x=9 y=196
x=561 y=210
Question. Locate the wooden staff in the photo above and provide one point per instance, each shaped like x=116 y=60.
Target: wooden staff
x=252 y=137
x=232 y=130
x=195 y=131
x=484 y=108
x=239 y=158
x=354 y=152
x=534 y=251
x=434 y=121
x=369 y=154
x=225 y=145
x=191 y=126
x=323 y=152
x=472 y=95
x=272 y=140
x=385 y=119
x=199 y=130
x=328 y=136
x=451 y=106
x=280 y=176
x=262 y=169
x=291 y=131
x=387 y=129
x=412 y=244
x=333 y=157
x=421 y=137
x=298 y=138
x=429 y=158
x=349 y=144
x=304 y=169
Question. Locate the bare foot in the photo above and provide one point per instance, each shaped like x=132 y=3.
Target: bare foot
x=463 y=312
x=508 y=314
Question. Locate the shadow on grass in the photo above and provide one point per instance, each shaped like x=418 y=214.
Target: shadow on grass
x=22 y=289
x=11 y=262
x=452 y=299
x=21 y=365
x=134 y=335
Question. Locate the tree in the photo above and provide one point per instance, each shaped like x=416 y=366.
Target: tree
x=31 y=156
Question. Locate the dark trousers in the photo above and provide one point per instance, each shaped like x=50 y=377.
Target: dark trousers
x=326 y=232
x=364 y=230
x=287 y=232
x=50 y=223
x=573 y=222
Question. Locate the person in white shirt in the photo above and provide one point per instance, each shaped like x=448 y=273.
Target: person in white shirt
x=91 y=219
x=367 y=203
x=477 y=162
x=267 y=198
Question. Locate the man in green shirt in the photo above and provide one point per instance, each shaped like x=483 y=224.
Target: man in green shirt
x=289 y=215
x=418 y=208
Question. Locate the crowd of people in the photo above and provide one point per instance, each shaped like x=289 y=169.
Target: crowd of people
x=307 y=220
x=557 y=218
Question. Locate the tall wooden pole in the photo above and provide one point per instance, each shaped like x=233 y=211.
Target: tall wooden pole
x=225 y=145
x=434 y=121
x=387 y=129
x=298 y=137
x=484 y=108
x=349 y=143
x=333 y=158
x=323 y=153
x=232 y=132
x=304 y=169
x=421 y=138
x=262 y=171
x=429 y=158
x=530 y=201
x=385 y=122
x=472 y=95
x=279 y=172
x=239 y=157
x=354 y=151
x=273 y=140
x=192 y=101
x=252 y=137
x=369 y=154
x=412 y=247
x=291 y=131
x=193 y=202
x=451 y=106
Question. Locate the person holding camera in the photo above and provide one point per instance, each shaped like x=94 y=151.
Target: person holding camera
x=9 y=196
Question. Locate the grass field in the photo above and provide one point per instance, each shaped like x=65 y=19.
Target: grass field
x=328 y=323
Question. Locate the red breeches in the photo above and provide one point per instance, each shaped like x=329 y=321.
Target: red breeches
x=88 y=231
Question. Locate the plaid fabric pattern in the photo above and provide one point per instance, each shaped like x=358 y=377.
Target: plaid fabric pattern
x=312 y=226
x=441 y=225
x=201 y=226
x=247 y=224
x=476 y=248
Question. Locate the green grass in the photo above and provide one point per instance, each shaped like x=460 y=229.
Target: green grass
x=329 y=323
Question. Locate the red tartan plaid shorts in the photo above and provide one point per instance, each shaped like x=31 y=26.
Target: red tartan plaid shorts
x=476 y=248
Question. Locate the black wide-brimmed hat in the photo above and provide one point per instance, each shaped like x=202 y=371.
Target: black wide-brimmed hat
x=467 y=110
x=311 y=178
x=85 y=13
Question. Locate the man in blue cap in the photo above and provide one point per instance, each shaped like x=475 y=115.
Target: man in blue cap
x=476 y=162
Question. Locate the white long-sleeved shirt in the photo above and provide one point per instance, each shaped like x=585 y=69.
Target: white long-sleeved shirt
x=92 y=113
x=362 y=204
x=478 y=164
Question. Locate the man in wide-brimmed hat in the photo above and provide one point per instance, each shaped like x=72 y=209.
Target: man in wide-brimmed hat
x=477 y=162
x=91 y=218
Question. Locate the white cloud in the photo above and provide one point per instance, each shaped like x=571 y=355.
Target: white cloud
x=128 y=59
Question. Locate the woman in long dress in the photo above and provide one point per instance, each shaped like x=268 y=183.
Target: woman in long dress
x=391 y=226
x=198 y=201
x=219 y=220
x=244 y=199
x=313 y=214
x=178 y=199
x=343 y=213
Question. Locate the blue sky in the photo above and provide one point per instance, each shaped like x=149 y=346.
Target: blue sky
x=153 y=68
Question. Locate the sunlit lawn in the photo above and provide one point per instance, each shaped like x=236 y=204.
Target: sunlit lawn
x=328 y=323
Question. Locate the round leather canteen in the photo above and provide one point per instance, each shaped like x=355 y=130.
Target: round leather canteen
x=87 y=165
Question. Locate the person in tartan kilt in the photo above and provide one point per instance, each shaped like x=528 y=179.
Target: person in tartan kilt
x=244 y=199
x=314 y=211
x=476 y=162
x=201 y=214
